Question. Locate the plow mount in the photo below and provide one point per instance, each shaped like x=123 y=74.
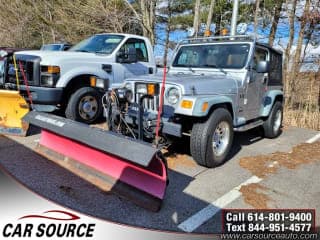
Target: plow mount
x=111 y=162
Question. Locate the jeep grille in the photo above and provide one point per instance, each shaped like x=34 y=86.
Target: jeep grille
x=151 y=104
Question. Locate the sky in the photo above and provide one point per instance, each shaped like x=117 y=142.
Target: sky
x=281 y=41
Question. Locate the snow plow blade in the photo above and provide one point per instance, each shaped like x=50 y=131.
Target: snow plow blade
x=12 y=108
x=111 y=162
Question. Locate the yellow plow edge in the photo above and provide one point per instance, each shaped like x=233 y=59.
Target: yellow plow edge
x=12 y=109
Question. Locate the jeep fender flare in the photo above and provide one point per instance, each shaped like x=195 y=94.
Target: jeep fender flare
x=80 y=71
x=269 y=100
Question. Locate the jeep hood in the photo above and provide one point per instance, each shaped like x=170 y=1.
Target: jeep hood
x=196 y=84
x=57 y=57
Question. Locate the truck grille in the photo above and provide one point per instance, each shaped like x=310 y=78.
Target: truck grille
x=28 y=70
x=31 y=67
x=151 y=104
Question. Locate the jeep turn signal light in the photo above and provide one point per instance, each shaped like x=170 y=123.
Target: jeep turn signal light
x=186 y=104
x=53 y=69
x=205 y=106
x=151 y=89
x=93 y=81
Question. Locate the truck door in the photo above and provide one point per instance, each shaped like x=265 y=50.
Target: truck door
x=256 y=83
x=142 y=66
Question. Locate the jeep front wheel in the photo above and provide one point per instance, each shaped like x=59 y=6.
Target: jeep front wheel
x=84 y=105
x=211 y=140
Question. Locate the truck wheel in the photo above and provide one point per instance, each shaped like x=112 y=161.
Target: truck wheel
x=84 y=105
x=211 y=140
x=272 y=126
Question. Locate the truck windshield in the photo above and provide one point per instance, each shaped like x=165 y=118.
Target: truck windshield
x=212 y=56
x=104 y=43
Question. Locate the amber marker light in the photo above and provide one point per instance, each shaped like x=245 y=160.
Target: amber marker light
x=93 y=81
x=53 y=69
x=151 y=88
x=205 y=106
x=186 y=104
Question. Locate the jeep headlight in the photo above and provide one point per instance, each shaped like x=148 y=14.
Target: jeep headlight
x=173 y=95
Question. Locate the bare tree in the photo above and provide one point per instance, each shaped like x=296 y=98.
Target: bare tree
x=291 y=12
x=146 y=16
x=148 y=8
x=275 y=21
x=196 y=19
x=256 y=15
x=168 y=28
x=209 y=19
x=297 y=56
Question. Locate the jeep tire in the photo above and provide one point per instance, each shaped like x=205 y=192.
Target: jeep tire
x=272 y=126
x=84 y=105
x=210 y=141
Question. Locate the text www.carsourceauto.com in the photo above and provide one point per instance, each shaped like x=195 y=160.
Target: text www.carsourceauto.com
x=275 y=236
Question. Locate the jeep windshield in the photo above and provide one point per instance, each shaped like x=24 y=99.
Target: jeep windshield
x=212 y=56
x=102 y=43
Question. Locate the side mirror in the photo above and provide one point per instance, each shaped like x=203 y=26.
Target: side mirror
x=262 y=67
x=127 y=57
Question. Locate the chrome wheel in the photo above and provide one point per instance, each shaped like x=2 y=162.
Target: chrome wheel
x=277 y=121
x=221 y=138
x=88 y=107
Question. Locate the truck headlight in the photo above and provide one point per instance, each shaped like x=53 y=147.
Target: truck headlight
x=173 y=95
x=47 y=81
x=49 y=75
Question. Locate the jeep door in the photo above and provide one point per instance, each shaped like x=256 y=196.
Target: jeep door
x=256 y=84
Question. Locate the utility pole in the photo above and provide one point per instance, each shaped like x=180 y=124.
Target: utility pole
x=234 y=17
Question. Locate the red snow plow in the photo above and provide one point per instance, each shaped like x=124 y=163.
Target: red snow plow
x=130 y=168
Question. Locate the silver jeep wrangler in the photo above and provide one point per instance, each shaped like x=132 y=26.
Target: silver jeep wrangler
x=214 y=86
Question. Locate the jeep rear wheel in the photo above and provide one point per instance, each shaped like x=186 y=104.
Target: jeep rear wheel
x=84 y=105
x=211 y=140
x=272 y=126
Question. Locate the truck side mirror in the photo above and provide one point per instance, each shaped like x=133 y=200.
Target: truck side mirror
x=262 y=67
x=129 y=56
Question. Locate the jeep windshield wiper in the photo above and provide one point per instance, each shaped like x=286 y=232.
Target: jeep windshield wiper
x=210 y=65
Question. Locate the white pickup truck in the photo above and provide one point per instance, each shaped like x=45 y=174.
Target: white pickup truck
x=75 y=80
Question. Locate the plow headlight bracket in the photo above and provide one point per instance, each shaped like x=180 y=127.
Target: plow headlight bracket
x=173 y=95
x=150 y=89
x=124 y=94
x=141 y=88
